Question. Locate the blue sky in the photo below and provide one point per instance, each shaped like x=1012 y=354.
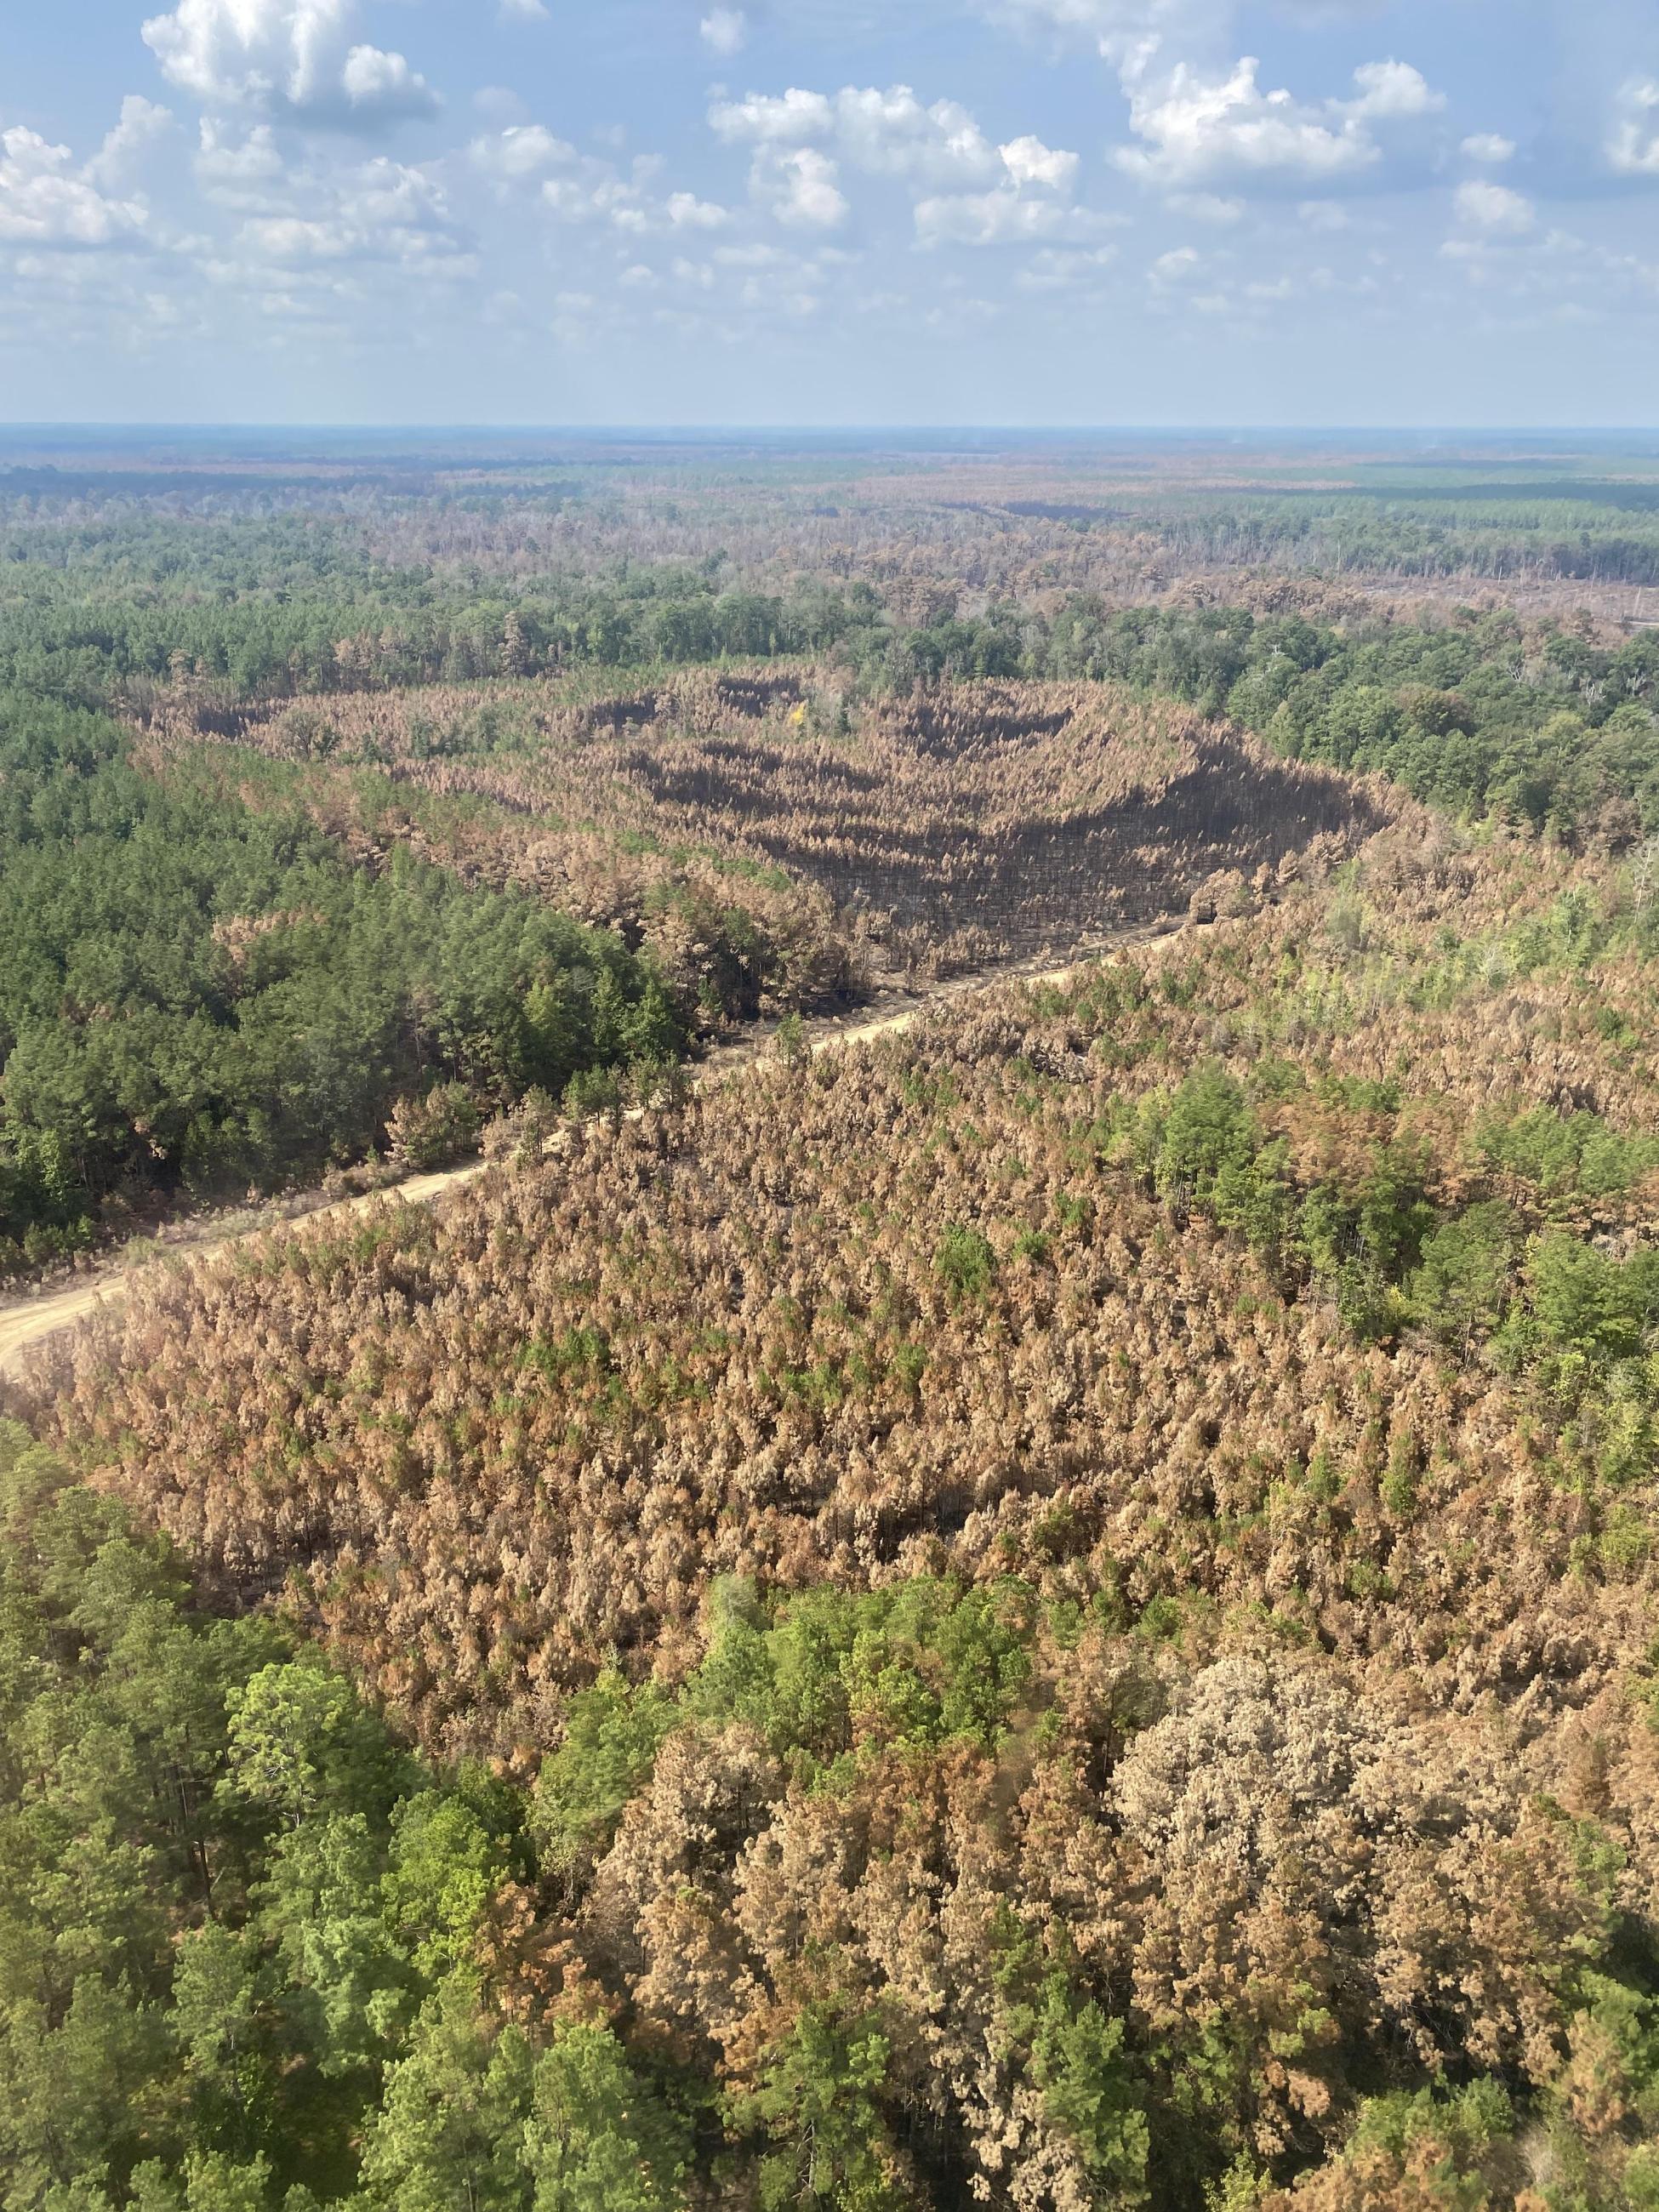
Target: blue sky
x=790 y=211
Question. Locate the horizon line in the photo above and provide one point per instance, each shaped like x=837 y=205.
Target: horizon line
x=130 y=426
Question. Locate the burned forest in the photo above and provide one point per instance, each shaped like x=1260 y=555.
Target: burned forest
x=945 y=1493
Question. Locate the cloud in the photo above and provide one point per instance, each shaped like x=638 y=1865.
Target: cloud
x=1179 y=266
x=1003 y=217
x=390 y=195
x=787 y=119
x=801 y=187
x=376 y=211
x=379 y=84
x=685 y=211
x=1493 y=208
x=596 y=194
x=725 y=29
x=1013 y=213
x=286 y=57
x=1632 y=145
x=1206 y=207
x=969 y=192
x=142 y=124
x=1139 y=36
x=524 y=11
x=1130 y=33
x=1202 y=117
x=891 y=134
x=238 y=175
x=984 y=219
x=524 y=150
x=45 y=201
x=299 y=238
x=1389 y=92
x=297 y=224
x=1029 y=162
x=1060 y=269
x=1199 y=131
x=581 y=188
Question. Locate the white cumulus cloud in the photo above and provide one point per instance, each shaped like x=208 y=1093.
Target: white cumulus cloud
x=523 y=150
x=379 y=84
x=1197 y=131
x=1029 y=162
x=1390 y=91
x=44 y=200
x=574 y=187
x=685 y=211
x=1494 y=208
x=891 y=133
x=1003 y=217
x=246 y=173
x=595 y=194
x=801 y=186
x=142 y=124
x=288 y=57
x=1488 y=146
x=783 y=119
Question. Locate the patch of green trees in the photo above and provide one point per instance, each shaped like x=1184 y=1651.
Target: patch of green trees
x=1475 y=717
x=198 y=996
x=239 y=1921
x=1590 y=530
x=268 y=609
x=1582 y=1316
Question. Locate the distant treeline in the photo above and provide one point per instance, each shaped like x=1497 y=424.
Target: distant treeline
x=1593 y=532
x=1483 y=711
x=96 y=616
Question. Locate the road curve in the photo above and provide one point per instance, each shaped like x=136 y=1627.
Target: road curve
x=28 y=1322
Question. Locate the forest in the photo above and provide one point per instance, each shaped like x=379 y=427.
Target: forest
x=1056 y=1608
x=196 y=995
x=750 y=838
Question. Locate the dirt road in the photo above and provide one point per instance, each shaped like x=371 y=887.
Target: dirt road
x=28 y=1322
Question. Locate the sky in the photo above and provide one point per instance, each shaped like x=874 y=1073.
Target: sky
x=697 y=212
